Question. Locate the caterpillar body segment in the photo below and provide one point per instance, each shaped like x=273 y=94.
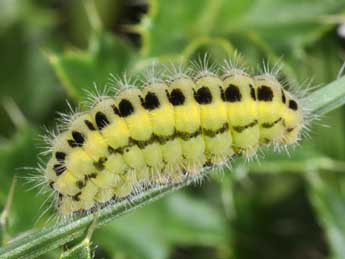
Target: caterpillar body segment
x=240 y=96
x=165 y=132
x=270 y=109
x=213 y=119
x=162 y=116
x=294 y=119
x=187 y=124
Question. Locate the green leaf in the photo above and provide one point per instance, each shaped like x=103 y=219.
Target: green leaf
x=327 y=194
x=81 y=250
x=15 y=154
x=4 y=236
x=26 y=76
x=327 y=98
x=282 y=23
x=79 y=70
x=172 y=221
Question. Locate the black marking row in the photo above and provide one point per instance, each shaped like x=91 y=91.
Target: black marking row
x=176 y=97
x=202 y=96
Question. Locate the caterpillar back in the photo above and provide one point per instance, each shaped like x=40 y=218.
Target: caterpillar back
x=165 y=132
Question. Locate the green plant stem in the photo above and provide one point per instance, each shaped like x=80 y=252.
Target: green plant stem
x=321 y=101
x=40 y=242
x=327 y=98
x=5 y=213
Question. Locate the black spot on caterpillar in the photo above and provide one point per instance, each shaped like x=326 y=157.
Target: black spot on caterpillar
x=242 y=128
x=232 y=94
x=265 y=93
x=252 y=92
x=99 y=165
x=89 y=125
x=269 y=125
x=176 y=97
x=203 y=95
x=60 y=156
x=72 y=143
x=59 y=169
x=293 y=105
x=126 y=108
x=101 y=120
x=151 y=101
x=78 y=137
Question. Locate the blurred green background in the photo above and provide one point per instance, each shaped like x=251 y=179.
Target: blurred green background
x=282 y=207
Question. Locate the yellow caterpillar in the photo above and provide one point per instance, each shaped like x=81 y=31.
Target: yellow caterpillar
x=165 y=132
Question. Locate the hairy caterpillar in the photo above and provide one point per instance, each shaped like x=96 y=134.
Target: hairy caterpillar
x=166 y=131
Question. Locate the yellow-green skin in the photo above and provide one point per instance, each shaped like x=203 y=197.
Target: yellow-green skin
x=167 y=131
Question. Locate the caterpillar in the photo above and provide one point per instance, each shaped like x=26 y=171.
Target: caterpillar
x=166 y=131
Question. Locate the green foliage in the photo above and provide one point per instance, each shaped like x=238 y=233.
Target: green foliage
x=283 y=207
x=81 y=250
x=77 y=69
x=327 y=194
x=279 y=24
